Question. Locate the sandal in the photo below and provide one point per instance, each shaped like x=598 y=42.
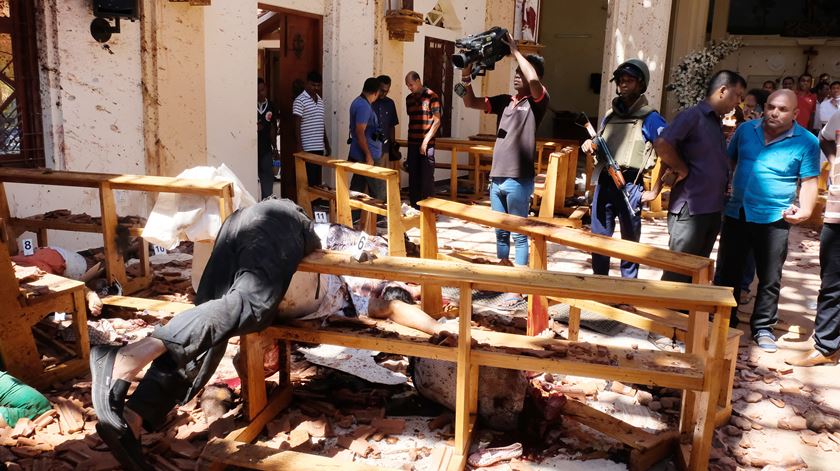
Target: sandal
x=490 y=456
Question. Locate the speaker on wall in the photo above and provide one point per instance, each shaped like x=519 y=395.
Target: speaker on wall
x=116 y=9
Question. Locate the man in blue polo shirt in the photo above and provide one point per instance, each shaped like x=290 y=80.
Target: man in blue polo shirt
x=366 y=139
x=771 y=157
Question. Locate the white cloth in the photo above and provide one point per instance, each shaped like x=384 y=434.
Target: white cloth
x=177 y=217
x=75 y=265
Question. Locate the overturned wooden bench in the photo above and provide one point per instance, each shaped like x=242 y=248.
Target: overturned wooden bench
x=697 y=373
x=106 y=184
x=342 y=202
x=543 y=230
x=23 y=307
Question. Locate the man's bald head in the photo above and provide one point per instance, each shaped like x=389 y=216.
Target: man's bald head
x=780 y=111
x=789 y=96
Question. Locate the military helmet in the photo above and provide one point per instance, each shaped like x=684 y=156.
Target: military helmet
x=635 y=67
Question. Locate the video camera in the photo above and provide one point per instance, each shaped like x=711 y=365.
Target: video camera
x=481 y=50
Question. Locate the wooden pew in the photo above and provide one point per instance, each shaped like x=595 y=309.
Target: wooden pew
x=343 y=203
x=552 y=188
x=541 y=231
x=697 y=373
x=106 y=184
x=22 y=307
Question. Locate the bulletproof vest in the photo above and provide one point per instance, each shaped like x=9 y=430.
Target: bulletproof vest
x=623 y=134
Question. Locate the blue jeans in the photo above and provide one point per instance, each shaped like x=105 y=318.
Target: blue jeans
x=511 y=196
x=607 y=205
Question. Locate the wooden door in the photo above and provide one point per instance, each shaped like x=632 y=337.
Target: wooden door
x=286 y=69
x=438 y=75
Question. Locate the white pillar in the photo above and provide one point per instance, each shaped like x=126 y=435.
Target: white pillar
x=636 y=29
x=230 y=78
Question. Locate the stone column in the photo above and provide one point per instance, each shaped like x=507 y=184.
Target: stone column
x=230 y=87
x=174 y=93
x=636 y=29
x=689 y=34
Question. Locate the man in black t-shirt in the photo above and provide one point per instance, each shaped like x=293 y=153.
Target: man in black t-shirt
x=512 y=172
x=266 y=140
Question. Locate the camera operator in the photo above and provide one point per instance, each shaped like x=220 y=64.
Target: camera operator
x=366 y=139
x=423 y=107
x=512 y=171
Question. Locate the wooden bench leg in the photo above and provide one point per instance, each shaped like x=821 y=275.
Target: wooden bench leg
x=703 y=431
x=431 y=294
x=538 y=305
x=466 y=388
x=574 y=323
x=251 y=352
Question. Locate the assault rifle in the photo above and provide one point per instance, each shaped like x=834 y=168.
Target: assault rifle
x=612 y=167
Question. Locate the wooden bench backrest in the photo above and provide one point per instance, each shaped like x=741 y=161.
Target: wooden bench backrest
x=646 y=293
x=585 y=241
x=556 y=180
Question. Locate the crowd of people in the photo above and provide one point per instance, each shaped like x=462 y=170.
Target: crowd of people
x=742 y=164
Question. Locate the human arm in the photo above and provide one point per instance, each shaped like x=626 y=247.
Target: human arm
x=408 y=315
x=829 y=148
x=529 y=74
x=94 y=304
x=327 y=148
x=807 y=199
x=670 y=158
x=296 y=121
x=435 y=105
x=470 y=100
x=359 y=131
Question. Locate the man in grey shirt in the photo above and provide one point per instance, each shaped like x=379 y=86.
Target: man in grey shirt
x=512 y=171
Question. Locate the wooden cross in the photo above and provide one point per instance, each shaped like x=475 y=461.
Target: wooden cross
x=809 y=53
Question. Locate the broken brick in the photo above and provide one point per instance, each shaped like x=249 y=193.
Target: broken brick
x=317 y=428
x=277 y=426
x=23 y=428
x=440 y=421
x=298 y=437
x=389 y=426
x=184 y=449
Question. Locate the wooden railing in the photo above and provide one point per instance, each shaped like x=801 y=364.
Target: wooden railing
x=698 y=373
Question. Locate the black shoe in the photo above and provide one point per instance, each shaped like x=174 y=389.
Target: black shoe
x=125 y=448
x=108 y=394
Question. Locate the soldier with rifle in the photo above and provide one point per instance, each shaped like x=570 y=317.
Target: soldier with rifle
x=624 y=148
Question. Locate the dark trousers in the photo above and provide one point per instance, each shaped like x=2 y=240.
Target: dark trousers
x=769 y=243
x=421 y=173
x=689 y=234
x=314 y=172
x=373 y=187
x=746 y=279
x=827 y=328
x=265 y=173
x=607 y=205
x=244 y=281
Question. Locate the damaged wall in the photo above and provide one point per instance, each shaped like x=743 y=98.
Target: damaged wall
x=173 y=81
x=93 y=113
x=230 y=64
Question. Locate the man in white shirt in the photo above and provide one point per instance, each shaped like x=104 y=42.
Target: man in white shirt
x=310 y=128
x=828 y=107
x=826 y=349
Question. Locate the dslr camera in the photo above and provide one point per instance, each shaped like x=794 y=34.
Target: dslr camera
x=481 y=51
x=377 y=135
